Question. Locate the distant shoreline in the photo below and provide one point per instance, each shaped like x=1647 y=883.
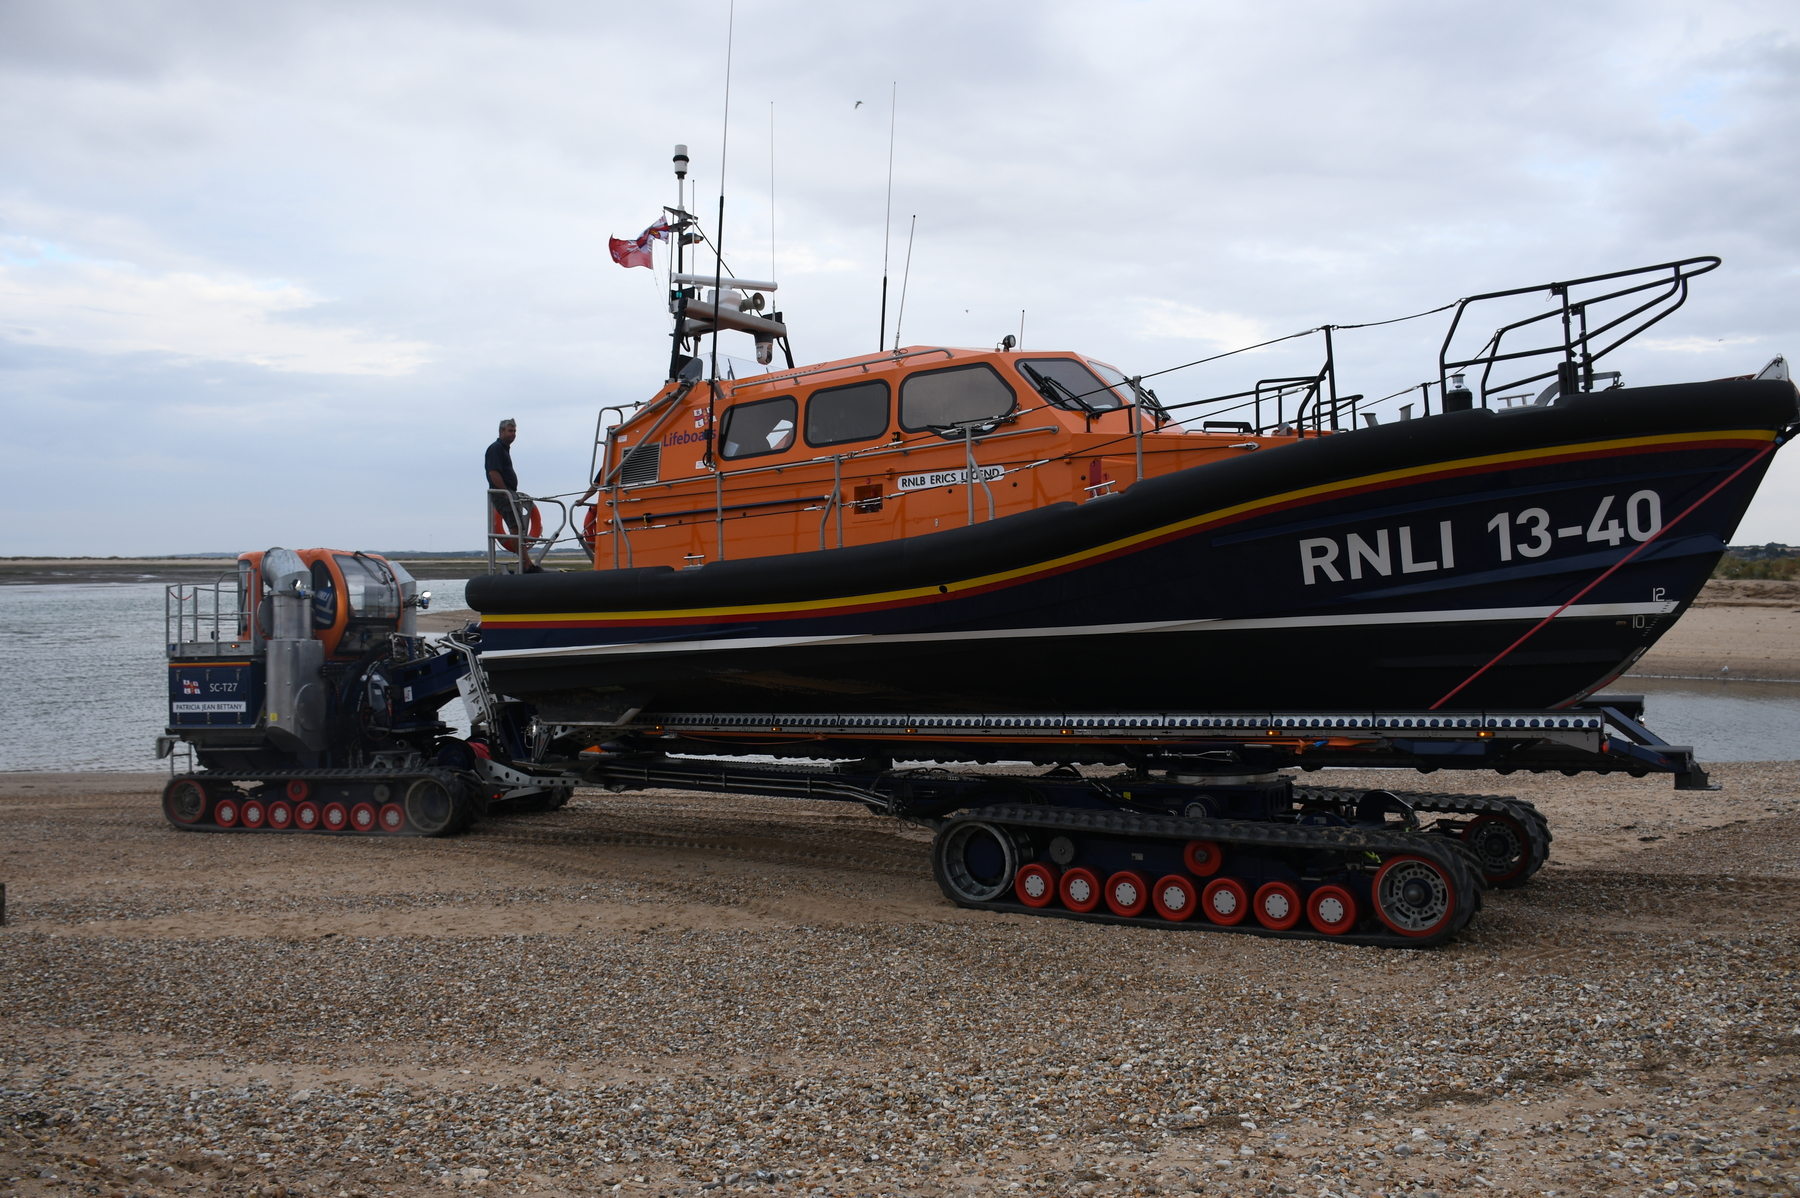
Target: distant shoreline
x=37 y=571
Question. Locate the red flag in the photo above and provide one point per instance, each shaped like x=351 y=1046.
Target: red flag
x=637 y=252
x=629 y=253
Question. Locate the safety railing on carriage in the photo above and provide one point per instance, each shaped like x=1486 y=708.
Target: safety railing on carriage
x=202 y=619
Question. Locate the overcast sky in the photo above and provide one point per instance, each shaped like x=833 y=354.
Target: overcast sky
x=269 y=274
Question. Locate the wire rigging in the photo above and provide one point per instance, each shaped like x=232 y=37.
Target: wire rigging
x=1373 y=324
x=712 y=389
x=887 y=220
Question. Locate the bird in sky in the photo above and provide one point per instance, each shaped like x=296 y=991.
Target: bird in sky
x=858 y=105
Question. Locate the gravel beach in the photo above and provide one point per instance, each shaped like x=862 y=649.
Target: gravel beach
x=660 y=993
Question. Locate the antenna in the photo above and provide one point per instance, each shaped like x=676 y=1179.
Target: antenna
x=904 y=276
x=772 y=273
x=1021 y=328
x=681 y=170
x=678 y=298
x=712 y=390
x=888 y=220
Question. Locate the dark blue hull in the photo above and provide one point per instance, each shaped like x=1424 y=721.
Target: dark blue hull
x=1377 y=569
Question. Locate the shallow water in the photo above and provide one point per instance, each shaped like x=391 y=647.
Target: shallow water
x=86 y=682
x=83 y=679
x=84 y=685
x=1724 y=721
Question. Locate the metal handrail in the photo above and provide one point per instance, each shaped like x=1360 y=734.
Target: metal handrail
x=603 y=435
x=182 y=608
x=553 y=538
x=1575 y=369
x=833 y=501
x=522 y=540
x=974 y=470
x=616 y=462
x=863 y=364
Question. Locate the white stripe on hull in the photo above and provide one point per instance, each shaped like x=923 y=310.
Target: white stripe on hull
x=1361 y=619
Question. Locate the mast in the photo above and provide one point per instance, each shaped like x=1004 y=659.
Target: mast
x=678 y=297
x=887 y=221
x=712 y=386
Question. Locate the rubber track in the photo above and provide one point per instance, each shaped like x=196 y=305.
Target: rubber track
x=1536 y=827
x=1447 y=854
x=448 y=778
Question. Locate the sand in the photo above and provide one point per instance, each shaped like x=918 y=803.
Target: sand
x=660 y=993
x=1748 y=629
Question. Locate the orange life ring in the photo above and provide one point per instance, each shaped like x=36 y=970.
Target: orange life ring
x=534 y=528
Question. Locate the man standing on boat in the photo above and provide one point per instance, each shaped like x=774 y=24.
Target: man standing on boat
x=503 y=481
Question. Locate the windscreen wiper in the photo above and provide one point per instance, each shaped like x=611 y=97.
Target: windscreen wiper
x=1056 y=393
x=1147 y=400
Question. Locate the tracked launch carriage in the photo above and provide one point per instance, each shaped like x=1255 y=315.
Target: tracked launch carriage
x=864 y=580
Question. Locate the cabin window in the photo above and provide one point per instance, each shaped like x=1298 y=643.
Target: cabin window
x=765 y=426
x=959 y=395
x=325 y=601
x=858 y=412
x=370 y=590
x=1068 y=384
x=372 y=595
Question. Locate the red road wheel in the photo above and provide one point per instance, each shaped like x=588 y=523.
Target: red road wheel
x=334 y=817
x=1175 y=898
x=298 y=789
x=1331 y=910
x=225 y=813
x=1079 y=889
x=1127 y=893
x=1203 y=858
x=1036 y=884
x=393 y=819
x=363 y=818
x=1412 y=896
x=281 y=815
x=185 y=801
x=1500 y=844
x=1277 y=906
x=252 y=813
x=1224 y=901
x=306 y=817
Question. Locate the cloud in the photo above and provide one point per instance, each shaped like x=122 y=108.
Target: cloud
x=1184 y=322
x=1695 y=345
x=49 y=298
x=383 y=226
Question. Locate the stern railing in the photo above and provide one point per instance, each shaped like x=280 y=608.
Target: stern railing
x=1590 y=322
